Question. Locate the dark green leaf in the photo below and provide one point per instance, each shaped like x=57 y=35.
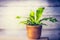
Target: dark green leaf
x=44 y=19
x=43 y=24
x=49 y=19
x=53 y=19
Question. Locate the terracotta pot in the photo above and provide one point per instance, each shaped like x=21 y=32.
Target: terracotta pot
x=34 y=32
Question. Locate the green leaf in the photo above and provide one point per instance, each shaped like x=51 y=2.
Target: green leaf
x=39 y=12
x=18 y=17
x=32 y=13
x=51 y=19
x=45 y=19
x=23 y=22
x=43 y=24
x=29 y=22
x=31 y=17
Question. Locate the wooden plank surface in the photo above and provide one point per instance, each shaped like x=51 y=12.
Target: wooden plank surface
x=18 y=38
x=42 y=38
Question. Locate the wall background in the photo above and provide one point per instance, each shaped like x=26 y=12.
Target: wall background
x=9 y=9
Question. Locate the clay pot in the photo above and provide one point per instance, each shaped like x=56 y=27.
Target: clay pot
x=34 y=32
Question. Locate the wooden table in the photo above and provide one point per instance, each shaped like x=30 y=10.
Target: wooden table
x=21 y=35
x=42 y=38
x=19 y=38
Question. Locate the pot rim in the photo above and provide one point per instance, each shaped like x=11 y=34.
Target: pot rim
x=34 y=25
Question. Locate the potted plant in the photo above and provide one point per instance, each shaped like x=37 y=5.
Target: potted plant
x=34 y=23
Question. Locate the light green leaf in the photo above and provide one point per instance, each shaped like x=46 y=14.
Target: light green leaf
x=32 y=13
x=39 y=13
x=18 y=17
x=23 y=22
x=31 y=17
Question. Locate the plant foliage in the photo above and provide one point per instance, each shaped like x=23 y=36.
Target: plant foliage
x=35 y=18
